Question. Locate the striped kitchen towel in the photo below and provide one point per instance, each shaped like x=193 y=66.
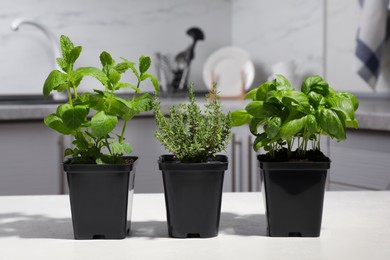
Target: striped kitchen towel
x=371 y=38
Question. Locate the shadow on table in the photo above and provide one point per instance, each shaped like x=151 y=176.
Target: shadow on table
x=243 y=225
x=35 y=226
x=230 y=224
x=150 y=229
x=40 y=226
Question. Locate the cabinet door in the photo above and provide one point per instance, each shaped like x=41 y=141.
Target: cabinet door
x=140 y=134
x=29 y=159
x=242 y=174
x=361 y=162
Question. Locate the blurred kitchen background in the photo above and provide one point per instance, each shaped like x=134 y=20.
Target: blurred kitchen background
x=319 y=36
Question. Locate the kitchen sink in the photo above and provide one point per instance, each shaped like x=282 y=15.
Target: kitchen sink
x=27 y=100
x=40 y=99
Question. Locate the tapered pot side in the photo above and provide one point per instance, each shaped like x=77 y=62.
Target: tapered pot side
x=101 y=199
x=193 y=195
x=294 y=196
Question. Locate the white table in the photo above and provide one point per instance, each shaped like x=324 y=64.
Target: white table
x=356 y=225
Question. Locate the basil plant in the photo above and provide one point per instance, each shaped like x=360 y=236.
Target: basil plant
x=91 y=117
x=281 y=117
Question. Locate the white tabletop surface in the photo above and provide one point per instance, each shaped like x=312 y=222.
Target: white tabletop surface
x=356 y=225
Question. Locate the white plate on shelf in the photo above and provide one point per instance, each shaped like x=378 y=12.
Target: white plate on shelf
x=232 y=69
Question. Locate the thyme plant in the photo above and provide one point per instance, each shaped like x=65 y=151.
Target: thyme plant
x=91 y=117
x=280 y=116
x=191 y=134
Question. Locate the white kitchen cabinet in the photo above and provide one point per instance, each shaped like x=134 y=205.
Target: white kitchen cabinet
x=361 y=162
x=29 y=159
x=243 y=173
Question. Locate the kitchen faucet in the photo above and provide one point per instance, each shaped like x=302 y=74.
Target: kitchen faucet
x=17 y=23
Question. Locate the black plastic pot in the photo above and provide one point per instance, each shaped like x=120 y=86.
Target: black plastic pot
x=294 y=196
x=193 y=194
x=101 y=199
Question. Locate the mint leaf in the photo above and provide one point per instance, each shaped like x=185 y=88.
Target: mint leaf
x=66 y=47
x=55 y=122
x=90 y=71
x=144 y=63
x=106 y=59
x=73 y=117
x=53 y=81
x=74 y=55
x=153 y=79
x=102 y=124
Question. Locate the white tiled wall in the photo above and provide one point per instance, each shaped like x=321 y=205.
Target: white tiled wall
x=280 y=30
x=318 y=33
x=126 y=28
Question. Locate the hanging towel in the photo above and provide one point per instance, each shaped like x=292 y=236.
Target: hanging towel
x=371 y=38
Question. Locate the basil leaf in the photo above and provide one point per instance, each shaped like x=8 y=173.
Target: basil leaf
x=240 y=117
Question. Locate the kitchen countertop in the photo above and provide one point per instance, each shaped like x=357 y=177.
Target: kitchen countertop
x=355 y=226
x=373 y=114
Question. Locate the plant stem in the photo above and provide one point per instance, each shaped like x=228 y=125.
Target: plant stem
x=70 y=97
x=123 y=131
x=135 y=93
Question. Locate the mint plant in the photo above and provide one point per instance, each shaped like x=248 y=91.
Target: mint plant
x=191 y=134
x=280 y=116
x=91 y=117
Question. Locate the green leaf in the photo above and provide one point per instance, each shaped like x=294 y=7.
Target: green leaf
x=53 y=81
x=114 y=77
x=291 y=128
x=272 y=127
x=120 y=148
x=123 y=108
x=255 y=108
x=296 y=100
x=350 y=96
x=89 y=71
x=254 y=124
x=106 y=59
x=74 y=54
x=68 y=151
x=144 y=63
x=116 y=148
x=102 y=124
x=311 y=124
x=316 y=84
x=127 y=149
x=261 y=110
x=352 y=123
x=240 y=117
x=66 y=47
x=263 y=89
x=123 y=67
x=73 y=117
x=315 y=99
x=143 y=103
x=331 y=123
x=250 y=94
x=282 y=81
x=343 y=105
x=62 y=64
x=260 y=141
x=153 y=79
x=55 y=122
x=120 y=85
